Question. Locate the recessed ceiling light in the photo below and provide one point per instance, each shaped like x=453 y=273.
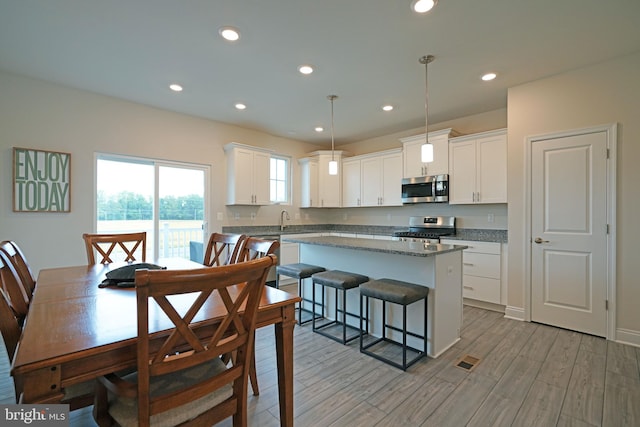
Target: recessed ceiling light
x=319 y=129
x=229 y=33
x=423 y=6
x=488 y=77
x=305 y=69
x=240 y=106
x=175 y=87
x=387 y=108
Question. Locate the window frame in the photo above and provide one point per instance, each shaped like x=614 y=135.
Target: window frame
x=287 y=180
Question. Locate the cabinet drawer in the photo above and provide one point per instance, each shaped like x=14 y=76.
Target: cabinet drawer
x=481 y=288
x=483 y=265
x=482 y=247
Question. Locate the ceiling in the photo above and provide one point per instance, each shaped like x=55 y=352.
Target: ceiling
x=364 y=51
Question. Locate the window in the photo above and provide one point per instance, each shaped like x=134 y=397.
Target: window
x=165 y=199
x=279 y=179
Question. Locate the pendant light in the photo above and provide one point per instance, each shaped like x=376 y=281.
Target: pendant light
x=333 y=165
x=426 y=152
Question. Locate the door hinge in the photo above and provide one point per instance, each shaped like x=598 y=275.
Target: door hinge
x=606 y=304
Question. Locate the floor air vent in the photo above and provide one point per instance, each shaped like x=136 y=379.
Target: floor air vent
x=468 y=363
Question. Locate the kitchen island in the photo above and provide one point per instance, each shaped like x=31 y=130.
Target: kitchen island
x=436 y=266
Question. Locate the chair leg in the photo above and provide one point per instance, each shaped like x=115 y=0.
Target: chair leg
x=253 y=376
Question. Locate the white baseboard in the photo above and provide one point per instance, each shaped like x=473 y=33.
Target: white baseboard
x=628 y=336
x=483 y=304
x=514 y=313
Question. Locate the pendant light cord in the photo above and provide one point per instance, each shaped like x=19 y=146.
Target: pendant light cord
x=426 y=60
x=331 y=98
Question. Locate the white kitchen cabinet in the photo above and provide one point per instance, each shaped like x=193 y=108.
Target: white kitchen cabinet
x=327 y=187
x=481 y=269
x=412 y=146
x=351 y=183
x=289 y=254
x=373 y=179
x=247 y=175
x=478 y=168
x=309 y=183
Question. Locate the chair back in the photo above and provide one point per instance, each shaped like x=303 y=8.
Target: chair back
x=104 y=246
x=237 y=288
x=253 y=248
x=222 y=248
x=13 y=288
x=9 y=325
x=12 y=250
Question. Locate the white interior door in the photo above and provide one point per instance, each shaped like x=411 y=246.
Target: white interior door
x=569 y=257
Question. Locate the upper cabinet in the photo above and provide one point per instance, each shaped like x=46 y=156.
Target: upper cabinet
x=478 y=168
x=372 y=179
x=411 y=148
x=247 y=175
x=319 y=189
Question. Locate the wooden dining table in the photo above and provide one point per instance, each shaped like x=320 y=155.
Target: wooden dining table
x=76 y=331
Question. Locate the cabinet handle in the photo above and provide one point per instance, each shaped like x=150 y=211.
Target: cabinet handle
x=468 y=287
x=478 y=198
x=358 y=201
x=467 y=263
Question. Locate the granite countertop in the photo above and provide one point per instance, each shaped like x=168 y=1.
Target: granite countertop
x=473 y=234
x=375 y=245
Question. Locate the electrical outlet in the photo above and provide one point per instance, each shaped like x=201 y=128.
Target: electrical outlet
x=297 y=216
x=345 y=216
x=490 y=218
x=236 y=216
x=253 y=216
x=220 y=216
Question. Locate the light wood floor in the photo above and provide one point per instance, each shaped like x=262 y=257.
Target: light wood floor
x=528 y=375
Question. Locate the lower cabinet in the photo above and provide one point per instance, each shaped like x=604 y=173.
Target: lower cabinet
x=481 y=271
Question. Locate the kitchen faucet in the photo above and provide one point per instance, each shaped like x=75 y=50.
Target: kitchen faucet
x=283 y=215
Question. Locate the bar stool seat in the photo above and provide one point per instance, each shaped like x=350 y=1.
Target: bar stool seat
x=299 y=271
x=340 y=281
x=396 y=292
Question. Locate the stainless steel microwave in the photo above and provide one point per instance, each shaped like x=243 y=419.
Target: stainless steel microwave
x=426 y=189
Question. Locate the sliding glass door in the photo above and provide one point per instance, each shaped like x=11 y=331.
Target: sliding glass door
x=167 y=200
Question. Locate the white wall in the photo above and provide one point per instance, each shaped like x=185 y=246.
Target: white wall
x=601 y=94
x=40 y=115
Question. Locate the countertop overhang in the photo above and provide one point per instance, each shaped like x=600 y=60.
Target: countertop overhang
x=375 y=245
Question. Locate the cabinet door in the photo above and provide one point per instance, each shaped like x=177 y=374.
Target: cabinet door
x=462 y=172
x=491 y=175
x=351 y=183
x=309 y=190
x=392 y=180
x=413 y=166
x=329 y=186
x=440 y=164
x=371 y=181
x=243 y=173
x=261 y=168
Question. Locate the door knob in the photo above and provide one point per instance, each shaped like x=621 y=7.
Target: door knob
x=539 y=240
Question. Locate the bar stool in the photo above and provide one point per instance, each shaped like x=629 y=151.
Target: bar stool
x=396 y=292
x=339 y=280
x=300 y=271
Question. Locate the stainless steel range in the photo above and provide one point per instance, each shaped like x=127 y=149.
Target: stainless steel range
x=428 y=229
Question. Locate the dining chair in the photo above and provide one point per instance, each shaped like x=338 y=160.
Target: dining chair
x=107 y=245
x=76 y=396
x=254 y=248
x=13 y=251
x=15 y=291
x=222 y=248
x=180 y=376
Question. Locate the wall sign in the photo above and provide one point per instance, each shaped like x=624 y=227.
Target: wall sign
x=41 y=181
